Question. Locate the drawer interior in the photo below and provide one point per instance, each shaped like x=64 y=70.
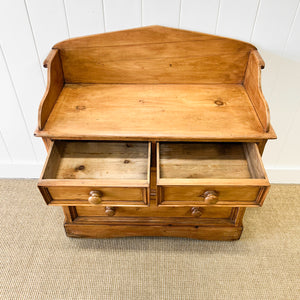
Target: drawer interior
x=209 y=161
x=98 y=160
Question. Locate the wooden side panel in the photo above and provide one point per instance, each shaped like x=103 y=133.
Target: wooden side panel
x=55 y=82
x=238 y=215
x=70 y=213
x=254 y=160
x=52 y=162
x=45 y=193
x=252 y=85
x=184 y=57
x=47 y=143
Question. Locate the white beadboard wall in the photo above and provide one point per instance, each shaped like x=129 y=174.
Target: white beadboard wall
x=29 y=28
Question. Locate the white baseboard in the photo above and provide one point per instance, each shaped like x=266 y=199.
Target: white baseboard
x=284 y=175
x=33 y=170
x=19 y=170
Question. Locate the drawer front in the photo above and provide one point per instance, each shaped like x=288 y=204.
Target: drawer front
x=235 y=196
x=158 y=215
x=97 y=173
x=158 y=212
x=77 y=195
x=210 y=174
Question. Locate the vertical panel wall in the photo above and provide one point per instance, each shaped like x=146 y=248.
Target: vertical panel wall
x=29 y=28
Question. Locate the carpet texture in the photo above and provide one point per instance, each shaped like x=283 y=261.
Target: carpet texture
x=39 y=262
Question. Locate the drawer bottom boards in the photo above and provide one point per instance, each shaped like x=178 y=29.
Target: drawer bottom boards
x=209 y=224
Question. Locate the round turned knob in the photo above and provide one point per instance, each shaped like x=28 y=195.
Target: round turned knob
x=95 y=197
x=196 y=211
x=210 y=197
x=110 y=211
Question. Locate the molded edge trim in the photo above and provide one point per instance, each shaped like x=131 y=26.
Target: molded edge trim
x=76 y=42
x=214 y=233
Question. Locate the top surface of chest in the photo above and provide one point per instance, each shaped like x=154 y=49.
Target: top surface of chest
x=154 y=83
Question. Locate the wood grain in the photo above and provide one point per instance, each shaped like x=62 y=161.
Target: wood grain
x=55 y=82
x=210 y=163
x=219 y=233
x=143 y=111
x=155 y=212
x=135 y=36
x=154 y=55
x=154 y=84
x=98 y=160
x=150 y=221
x=47 y=143
x=119 y=171
x=232 y=172
x=239 y=196
x=111 y=196
x=203 y=160
x=70 y=213
x=252 y=85
x=177 y=62
x=254 y=161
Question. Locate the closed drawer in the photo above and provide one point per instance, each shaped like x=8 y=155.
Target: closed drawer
x=156 y=212
x=97 y=173
x=210 y=174
x=158 y=215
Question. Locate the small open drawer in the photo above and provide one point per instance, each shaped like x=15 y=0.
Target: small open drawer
x=97 y=173
x=219 y=174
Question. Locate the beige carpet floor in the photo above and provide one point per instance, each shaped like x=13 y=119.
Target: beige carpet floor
x=39 y=262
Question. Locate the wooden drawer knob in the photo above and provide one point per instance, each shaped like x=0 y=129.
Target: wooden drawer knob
x=110 y=211
x=210 y=197
x=196 y=211
x=95 y=197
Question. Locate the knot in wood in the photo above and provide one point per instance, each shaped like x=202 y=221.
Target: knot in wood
x=219 y=102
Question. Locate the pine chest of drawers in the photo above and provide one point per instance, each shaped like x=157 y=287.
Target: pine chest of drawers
x=154 y=131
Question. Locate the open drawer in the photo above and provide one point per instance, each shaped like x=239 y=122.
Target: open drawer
x=218 y=174
x=97 y=173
